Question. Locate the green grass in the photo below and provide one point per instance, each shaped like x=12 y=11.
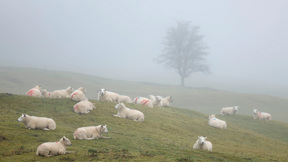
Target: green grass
x=167 y=134
x=204 y=100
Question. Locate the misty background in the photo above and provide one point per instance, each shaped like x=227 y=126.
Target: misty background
x=247 y=40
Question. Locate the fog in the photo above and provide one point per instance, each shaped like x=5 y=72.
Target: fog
x=120 y=39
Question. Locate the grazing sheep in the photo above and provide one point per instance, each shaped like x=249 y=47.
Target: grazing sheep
x=33 y=122
x=155 y=100
x=127 y=113
x=217 y=123
x=123 y=98
x=164 y=101
x=261 y=115
x=54 y=148
x=104 y=95
x=229 y=110
x=83 y=107
x=35 y=92
x=92 y=132
x=201 y=143
x=143 y=101
x=79 y=94
x=64 y=93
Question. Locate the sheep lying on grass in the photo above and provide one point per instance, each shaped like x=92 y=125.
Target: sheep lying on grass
x=261 y=115
x=229 y=110
x=217 y=123
x=143 y=101
x=127 y=113
x=123 y=98
x=64 y=93
x=35 y=92
x=92 y=132
x=155 y=100
x=33 y=122
x=83 y=107
x=201 y=143
x=54 y=148
x=79 y=94
x=104 y=95
x=164 y=101
x=46 y=94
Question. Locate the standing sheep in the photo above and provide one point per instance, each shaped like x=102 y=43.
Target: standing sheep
x=64 y=93
x=261 y=115
x=165 y=101
x=229 y=110
x=143 y=101
x=54 y=148
x=104 y=95
x=201 y=143
x=79 y=94
x=123 y=98
x=217 y=123
x=35 y=92
x=83 y=107
x=91 y=132
x=127 y=113
x=33 y=122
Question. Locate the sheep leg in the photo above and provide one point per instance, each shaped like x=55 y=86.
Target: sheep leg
x=70 y=152
x=105 y=137
x=46 y=129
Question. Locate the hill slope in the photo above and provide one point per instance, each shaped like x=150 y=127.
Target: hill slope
x=20 y=80
x=167 y=134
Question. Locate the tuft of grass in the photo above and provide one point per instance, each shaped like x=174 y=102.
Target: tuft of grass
x=167 y=134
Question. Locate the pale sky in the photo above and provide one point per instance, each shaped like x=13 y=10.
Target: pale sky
x=120 y=39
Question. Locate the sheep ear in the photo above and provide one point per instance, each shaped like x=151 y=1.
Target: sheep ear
x=24 y=115
x=101 y=126
x=64 y=138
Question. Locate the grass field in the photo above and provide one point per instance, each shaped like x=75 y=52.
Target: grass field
x=204 y=100
x=167 y=134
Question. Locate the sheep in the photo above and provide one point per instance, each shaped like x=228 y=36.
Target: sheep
x=261 y=115
x=48 y=149
x=164 y=101
x=79 y=94
x=229 y=110
x=35 y=92
x=64 y=93
x=83 y=107
x=45 y=93
x=123 y=98
x=155 y=100
x=127 y=113
x=91 y=132
x=143 y=101
x=104 y=95
x=33 y=122
x=202 y=143
x=217 y=123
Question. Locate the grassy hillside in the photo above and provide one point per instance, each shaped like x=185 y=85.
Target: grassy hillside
x=205 y=100
x=167 y=134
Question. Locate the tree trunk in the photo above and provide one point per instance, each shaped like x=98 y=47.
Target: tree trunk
x=182 y=81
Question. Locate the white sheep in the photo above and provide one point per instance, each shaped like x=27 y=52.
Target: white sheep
x=143 y=101
x=261 y=115
x=123 y=98
x=79 y=94
x=91 y=132
x=104 y=95
x=164 y=101
x=54 y=148
x=46 y=94
x=217 y=123
x=229 y=110
x=35 y=92
x=155 y=100
x=33 y=122
x=83 y=107
x=64 y=93
x=202 y=143
x=128 y=113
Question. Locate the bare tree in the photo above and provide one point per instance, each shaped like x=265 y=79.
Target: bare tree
x=184 y=50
